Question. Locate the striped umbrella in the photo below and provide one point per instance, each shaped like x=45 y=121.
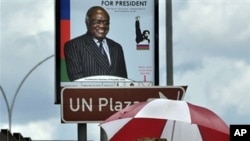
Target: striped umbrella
x=168 y=119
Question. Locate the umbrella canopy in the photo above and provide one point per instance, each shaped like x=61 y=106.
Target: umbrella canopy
x=169 y=119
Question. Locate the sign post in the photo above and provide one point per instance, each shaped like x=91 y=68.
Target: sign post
x=84 y=105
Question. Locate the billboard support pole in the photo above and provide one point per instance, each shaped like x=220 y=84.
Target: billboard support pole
x=82 y=131
x=103 y=135
x=169 y=40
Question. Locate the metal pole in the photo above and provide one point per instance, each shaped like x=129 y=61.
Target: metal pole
x=169 y=40
x=82 y=131
x=10 y=108
x=170 y=80
x=103 y=135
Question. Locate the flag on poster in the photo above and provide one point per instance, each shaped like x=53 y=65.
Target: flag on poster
x=64 y=24
x=142 y=47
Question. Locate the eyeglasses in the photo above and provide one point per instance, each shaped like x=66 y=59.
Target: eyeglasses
x=99 y=22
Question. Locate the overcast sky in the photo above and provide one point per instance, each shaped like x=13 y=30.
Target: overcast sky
x=211 y=56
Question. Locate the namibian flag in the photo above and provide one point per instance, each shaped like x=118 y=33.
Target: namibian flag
x=62 y=33
x=64 y=13
x=142 y=46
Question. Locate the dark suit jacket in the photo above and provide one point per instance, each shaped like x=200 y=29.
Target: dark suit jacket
x=83 y=58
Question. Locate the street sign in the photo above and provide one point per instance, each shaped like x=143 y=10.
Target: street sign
x=82 y=105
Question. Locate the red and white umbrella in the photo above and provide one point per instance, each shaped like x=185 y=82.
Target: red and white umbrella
x=169 y=119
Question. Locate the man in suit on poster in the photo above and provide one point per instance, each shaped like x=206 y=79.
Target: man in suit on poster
x=93 y=53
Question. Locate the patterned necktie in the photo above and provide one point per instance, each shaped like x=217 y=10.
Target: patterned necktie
x=101 y=48
x=103 y=51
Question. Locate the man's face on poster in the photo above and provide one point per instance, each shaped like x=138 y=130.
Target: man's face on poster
x=98 y=24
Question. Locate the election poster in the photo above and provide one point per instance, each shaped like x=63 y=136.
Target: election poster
x=130 y=26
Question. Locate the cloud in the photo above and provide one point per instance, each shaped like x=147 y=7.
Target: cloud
x=233 y=89
x=218 y=76
x=45 y=129
x=214 y=20
x=211 y=56
x=36 y=130
x=210 y=50
x=220 y=84
x=32 y=20
x=28 y=29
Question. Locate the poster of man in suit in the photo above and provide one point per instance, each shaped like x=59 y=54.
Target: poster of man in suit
x=129 y=27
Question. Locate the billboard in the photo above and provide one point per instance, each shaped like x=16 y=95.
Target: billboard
x=130 y=43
